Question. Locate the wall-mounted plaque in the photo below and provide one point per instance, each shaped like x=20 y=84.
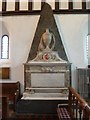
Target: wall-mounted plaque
x=5 y=73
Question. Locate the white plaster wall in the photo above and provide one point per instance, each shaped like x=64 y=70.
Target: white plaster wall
x=74 y=30
x=21 y=29
x=89 y=50
x=89 y=39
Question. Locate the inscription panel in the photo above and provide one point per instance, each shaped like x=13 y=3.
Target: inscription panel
x=35 y=74
x=47 y=80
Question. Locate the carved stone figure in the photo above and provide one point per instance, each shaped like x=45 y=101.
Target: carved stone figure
x=47 y=40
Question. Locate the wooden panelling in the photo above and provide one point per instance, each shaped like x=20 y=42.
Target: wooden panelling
x=5 y=107
x=11 y=90
x=57 y=5
x=84 y=5
x=5 y=73
x=70 y=5
x=17 y=5
x=4 y=6
x=30 y=5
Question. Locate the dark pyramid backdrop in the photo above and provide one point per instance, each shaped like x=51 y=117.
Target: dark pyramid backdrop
x=47 y=21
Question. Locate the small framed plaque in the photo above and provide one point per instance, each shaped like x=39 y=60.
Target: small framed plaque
x=5 y=73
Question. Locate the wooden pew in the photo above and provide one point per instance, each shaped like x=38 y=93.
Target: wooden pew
x=87 y=113
x=11 y=90
x=4 y=107
x=77 y=107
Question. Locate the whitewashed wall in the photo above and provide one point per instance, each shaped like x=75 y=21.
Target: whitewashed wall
x=89 y=39
x=89 y=50
x=73 y=30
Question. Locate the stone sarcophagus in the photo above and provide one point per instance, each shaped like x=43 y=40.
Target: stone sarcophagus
x=47 y=80
x=44 y=80
x=40 y=74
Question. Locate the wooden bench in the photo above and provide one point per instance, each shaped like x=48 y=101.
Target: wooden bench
x=4 y=107
x=11 y=91
x=77 y=108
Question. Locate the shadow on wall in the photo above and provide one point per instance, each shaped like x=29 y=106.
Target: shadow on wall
x=17 y=74
x=89 y=39
x=3 y=30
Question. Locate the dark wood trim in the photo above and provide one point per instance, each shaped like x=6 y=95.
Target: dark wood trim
x=13 y=13
x=56 y=4
x=88 y=66
x=4 y=5
x=16 y=5
x=84 y=5
x=70 y=5
x=30 y=5
x=5 y=107
x=76 y=109
x=73 y=11
x=30 y=10
x=37 y=12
